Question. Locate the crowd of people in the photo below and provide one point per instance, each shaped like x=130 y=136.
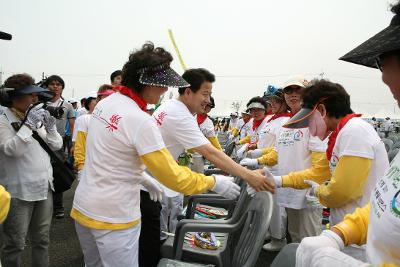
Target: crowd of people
x=131 y=156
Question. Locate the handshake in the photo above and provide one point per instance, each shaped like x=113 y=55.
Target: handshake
x=37 y=117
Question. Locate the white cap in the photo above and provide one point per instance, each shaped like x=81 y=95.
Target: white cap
x=72 y=100
x=296 y=80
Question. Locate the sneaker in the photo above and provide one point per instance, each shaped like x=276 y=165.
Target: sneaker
x=59 y=215
x=275 y=244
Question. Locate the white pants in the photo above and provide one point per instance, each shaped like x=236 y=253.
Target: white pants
x=304 y=222
x=109 y=248
x=171 y=207
x=278 y=222
x=330 y=257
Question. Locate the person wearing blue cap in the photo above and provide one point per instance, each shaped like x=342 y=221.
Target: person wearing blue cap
x=29 y=173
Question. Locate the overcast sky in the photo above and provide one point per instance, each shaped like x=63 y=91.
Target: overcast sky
x=246 y=44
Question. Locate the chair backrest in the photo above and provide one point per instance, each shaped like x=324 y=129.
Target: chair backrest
x=254 y=224
x=388 y=144
x=392 y=153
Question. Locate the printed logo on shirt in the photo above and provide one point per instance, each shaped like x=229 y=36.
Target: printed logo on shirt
x=289 y=137
x=111 y=124
x=160 y=118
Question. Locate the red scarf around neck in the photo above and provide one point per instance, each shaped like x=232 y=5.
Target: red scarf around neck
x=257 y=123
x=334 y=134
x=134 y=96
x=279 y=116
x=201 y=118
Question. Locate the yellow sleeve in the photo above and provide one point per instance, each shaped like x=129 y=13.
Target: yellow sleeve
x=245 y=140
x=269 y=158
x=214 y=141
x=319 y=172
x=389 y=265
x=79 y=150
x=235 y=131
x=347 y=182
x=5 y=199
x=178 y=178
x=354 y=227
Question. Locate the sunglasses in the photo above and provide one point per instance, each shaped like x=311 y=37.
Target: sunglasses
x=290 y=89
x=379 y=60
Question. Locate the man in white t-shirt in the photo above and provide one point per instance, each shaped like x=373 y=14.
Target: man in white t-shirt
x=122 y=141
x=180 y=132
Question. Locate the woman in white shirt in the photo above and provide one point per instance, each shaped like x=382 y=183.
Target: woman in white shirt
x=28 y=171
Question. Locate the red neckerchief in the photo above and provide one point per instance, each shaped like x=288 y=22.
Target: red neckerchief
x=279 y=116
x=257 y=123
x=201 y=118
x=134 y=96
x=334 y=134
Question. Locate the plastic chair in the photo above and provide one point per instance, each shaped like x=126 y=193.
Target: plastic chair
x=243 y=242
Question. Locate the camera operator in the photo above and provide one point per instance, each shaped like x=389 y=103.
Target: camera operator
x=28 y=171
x=56 y=84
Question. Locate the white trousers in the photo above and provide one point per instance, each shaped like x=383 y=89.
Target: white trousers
x=109 y=248
x=304 y=222
x=171 y=207
x=278 y=222
x=330 y=257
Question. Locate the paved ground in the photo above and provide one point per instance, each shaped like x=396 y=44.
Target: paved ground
x=64 y=245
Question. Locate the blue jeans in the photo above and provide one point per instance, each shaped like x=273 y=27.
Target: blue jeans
x=34 y=216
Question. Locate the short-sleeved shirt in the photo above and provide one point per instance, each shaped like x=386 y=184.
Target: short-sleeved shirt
x=81 y=125
x=294 y=148
x=69 y=113
x=179 y=130
x=359 y=139
x=119 y=133
x=207 y=128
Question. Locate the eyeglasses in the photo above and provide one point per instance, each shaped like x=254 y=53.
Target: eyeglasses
x=290 y=89
x=379 y=60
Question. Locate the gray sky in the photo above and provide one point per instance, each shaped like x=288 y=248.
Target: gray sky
x=246 y=44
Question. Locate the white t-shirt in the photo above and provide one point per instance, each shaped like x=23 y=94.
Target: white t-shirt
x=233 y=123
x=383 y=240
x=119 y=133
x=207 y=128
x=294 y=148
x=255 y=134
x=387 y=125
x=244 y=128
x=269 y=135
x=81 y=125
x=179 y=130
x=81 y=111
x=358 y=138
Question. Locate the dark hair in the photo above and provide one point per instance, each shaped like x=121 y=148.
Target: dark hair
x=83 y=100
x=54 y=78
x=332 y=95
x=148 y=56
x=258 y=99
x=115 y=74
x=88 y=101
x=196 y=77
x=19 y=81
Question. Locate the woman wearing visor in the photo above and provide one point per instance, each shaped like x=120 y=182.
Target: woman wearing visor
x=377 y=224
x=257 y=107
x=266 y=154
x=300 y=155
x=122 y=141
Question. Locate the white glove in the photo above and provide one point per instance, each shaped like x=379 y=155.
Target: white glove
x=268 y=175
x=153 y=187
x=311 y=196
x=225 y=186
x=241 y=151
x=35 y=117
x=49 y=122
x=249 y=162
x=308 y=245
x=256 y=153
